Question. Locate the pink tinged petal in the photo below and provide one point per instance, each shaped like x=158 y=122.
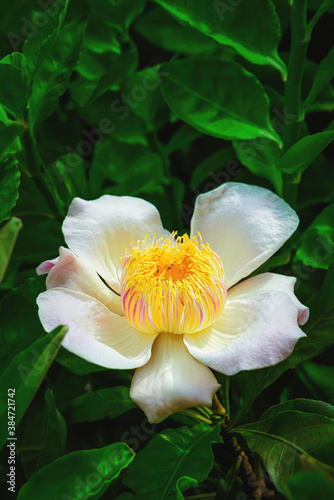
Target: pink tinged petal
x=245 y=225
x=255 y=330
x=172 y=380
x=76 y=274
x=46 y=266
x=101 y=230
x=273 y=282
x=95 y=333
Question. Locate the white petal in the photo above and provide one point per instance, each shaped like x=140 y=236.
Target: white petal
x=76 y=274
x=244 y=225
x=46 y=266
x=172 y=380
x=101 y=230
x=95 y=333
x=255 y=330
x=274 y=282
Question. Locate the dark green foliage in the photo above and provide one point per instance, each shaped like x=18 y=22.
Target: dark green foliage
x=164 y=100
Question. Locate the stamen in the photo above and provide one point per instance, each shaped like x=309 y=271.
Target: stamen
x=172 y=285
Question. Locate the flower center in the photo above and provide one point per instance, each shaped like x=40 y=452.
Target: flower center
x=172 y=285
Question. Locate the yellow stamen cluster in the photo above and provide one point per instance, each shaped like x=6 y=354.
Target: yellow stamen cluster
x=172 y=285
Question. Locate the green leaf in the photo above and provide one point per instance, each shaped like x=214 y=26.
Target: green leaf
x=308 y=486
x=316 y=245
x=183 y=484
x=311 y=192
x=8 y=134
x=111 y=116
x=75 y=364
x=162 y=30
x=213 y=163
x=118 y=14
x=8 y=237
x=9 y=183
x=55 y=433
x=19 y=322
x=98 y=405
x=14 y=90
x=33 y=44
x=290 y=430
x=56 y=61
x=25 y=374
x=261 y=157
x=319 y=330
x=169 y=456
x=253 y=29
x=305 y=151
x=16 y=59
x=226 y=102
x=81 y=474
x=132 y=169
x=182 y=139
x=151 y=107
x=120 y=67
x=318 y=379
x=324 y=76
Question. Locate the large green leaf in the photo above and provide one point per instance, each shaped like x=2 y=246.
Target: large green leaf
x=149 y=105
x=8 y=237
x=261 y=157
x=14 y=89
x=318 y=379
x=19 y=322
x=55 y=433
x=308 y=485
x=119 y=68
x=171 y=455
x=319 y=330
x=316 y=245
x=118 y=14
x=162 y=30
x=25 y=374
x=226 y=102
x=305 y=151
x=55 y=17
x=9 y=183
x=103 y=403
x=55 y=63
x=323 y=77
x=8 y=133
x=252 y=29
x=81 y=474
x=289 y=430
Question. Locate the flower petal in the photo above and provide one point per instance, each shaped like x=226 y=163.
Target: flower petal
x=172 y=380
x=102 y=229
x=255 y=330
x=274 y=282
x=76 y=274
x=244 y=225
x=95 y=333
x=46 y=266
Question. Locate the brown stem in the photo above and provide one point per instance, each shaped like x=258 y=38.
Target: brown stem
x=255 y=486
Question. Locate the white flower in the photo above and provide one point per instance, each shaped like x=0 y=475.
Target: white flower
x=134 y=296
